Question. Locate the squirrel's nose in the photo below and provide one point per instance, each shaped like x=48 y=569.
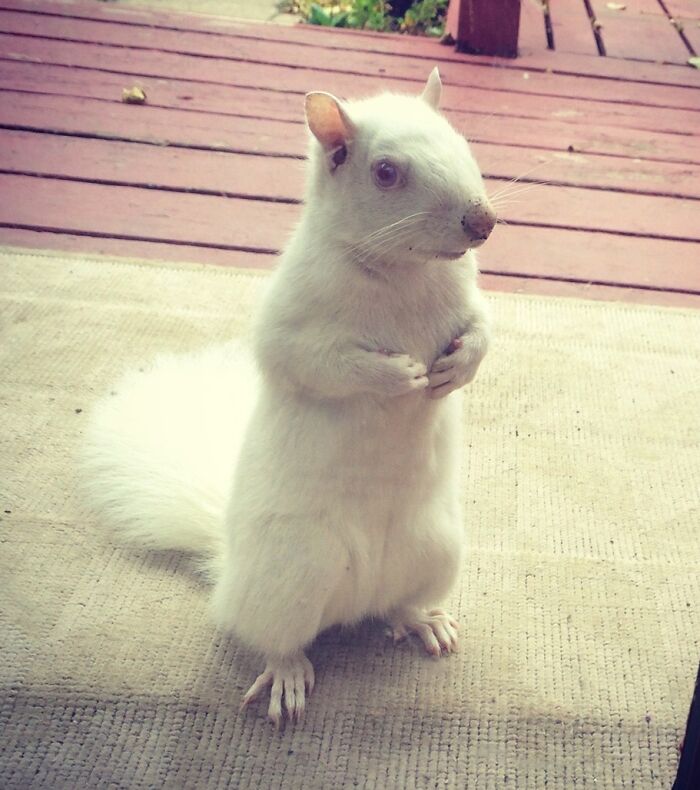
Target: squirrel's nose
x=478 y=222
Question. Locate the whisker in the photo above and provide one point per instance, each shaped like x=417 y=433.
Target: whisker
x=514 y=189
x=389 y=232
x=379 y=249
x=507 y=198
x=334 y=226
x=370 y=254
x=393 y=224
x=521 y=176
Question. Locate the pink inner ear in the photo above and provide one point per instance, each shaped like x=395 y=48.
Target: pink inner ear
x=325 y=120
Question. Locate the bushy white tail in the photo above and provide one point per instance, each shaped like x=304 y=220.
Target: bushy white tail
x=160 y=450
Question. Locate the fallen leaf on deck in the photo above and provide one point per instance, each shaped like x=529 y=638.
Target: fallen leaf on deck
x=616 y=6
x=134 y=95
x=694 y=61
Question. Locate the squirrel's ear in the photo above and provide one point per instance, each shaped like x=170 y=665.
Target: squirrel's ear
x=328 y=120
x=433 y=89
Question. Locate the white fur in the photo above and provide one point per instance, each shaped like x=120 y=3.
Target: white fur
x=161 y=446
x=344 y=499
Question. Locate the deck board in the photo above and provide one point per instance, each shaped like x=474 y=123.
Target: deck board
x=211 y=168
x=572 y=28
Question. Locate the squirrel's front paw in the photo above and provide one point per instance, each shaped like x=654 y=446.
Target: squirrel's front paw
x=455 y=368
x=399 y=374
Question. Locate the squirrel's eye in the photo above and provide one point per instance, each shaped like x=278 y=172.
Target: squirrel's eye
x=386 y=174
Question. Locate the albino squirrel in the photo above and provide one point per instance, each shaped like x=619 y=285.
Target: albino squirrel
x=322 y=488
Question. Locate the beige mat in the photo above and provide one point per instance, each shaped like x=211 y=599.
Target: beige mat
x=579 y=601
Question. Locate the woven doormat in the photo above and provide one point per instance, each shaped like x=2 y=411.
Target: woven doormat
x=579 y=598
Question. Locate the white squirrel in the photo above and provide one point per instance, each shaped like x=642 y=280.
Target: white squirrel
x=322 y=488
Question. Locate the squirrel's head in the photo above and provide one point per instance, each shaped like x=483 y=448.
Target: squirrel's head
x=393 y=180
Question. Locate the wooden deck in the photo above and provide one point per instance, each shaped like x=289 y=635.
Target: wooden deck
x=210 y=169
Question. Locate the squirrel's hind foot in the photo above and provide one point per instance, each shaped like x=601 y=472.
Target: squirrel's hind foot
x=291 y=678
x=435 y=628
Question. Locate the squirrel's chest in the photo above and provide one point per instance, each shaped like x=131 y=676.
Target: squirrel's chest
x=420 y=323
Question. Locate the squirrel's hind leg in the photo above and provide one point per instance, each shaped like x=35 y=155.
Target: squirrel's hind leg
x=275 y=593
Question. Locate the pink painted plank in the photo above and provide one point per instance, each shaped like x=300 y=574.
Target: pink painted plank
x=276 y=178
x=641 y=31
x=602 y=293
x=691 y=30
x=370 y=66
x=400 y=46
x=614 y=212
x=589 y=170
x=266 y=101
x=114 y=120
x=156 y=216
x=155 y=124
x=532 y=36
x=572 y=27
x=149 y=215
x=91 y=245
x=282 y=179
x=683 y=9
x=135 y=164
x=129 y=248
x=178 y=94
x=593 y=257
x=686 y=15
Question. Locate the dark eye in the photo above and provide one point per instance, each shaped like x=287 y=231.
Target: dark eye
x=386 y=174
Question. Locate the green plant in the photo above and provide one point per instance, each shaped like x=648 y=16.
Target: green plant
x=370 y=15
x=363 y=14
x=423 y=17
x=317 y=15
